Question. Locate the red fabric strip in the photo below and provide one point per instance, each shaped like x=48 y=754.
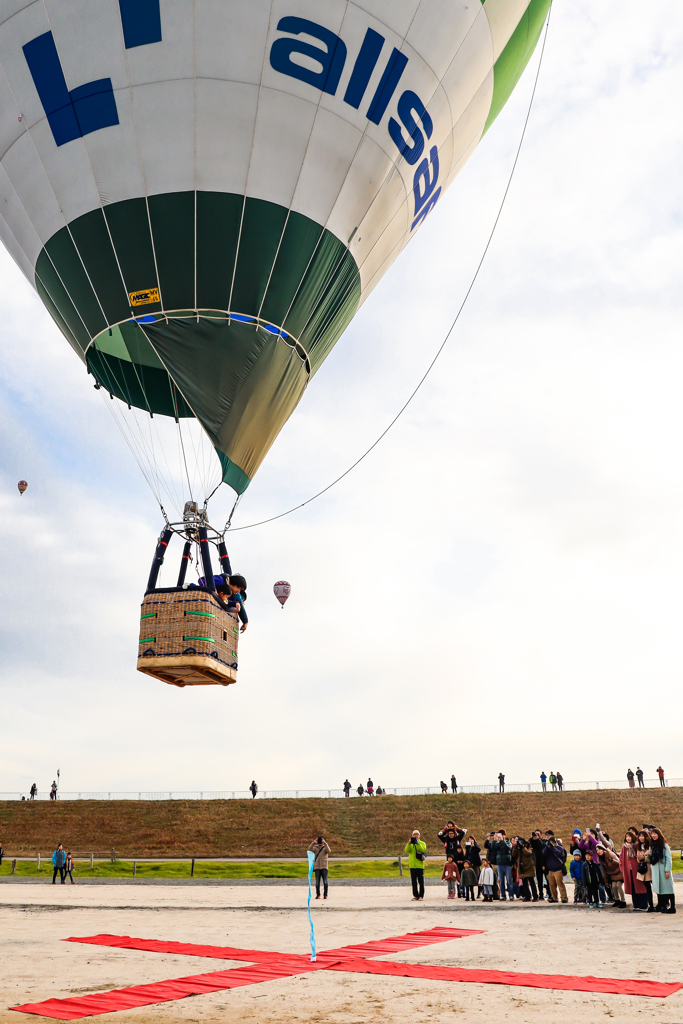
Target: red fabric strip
x=182 y=948
x=163 y=991
x=620 y=986
x=398 y=944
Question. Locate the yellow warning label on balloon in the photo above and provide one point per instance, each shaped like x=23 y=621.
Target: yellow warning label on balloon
x=145 y=297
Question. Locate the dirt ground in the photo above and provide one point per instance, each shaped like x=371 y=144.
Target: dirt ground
x=35 y=964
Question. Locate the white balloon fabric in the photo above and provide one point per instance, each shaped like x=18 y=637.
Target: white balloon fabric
x=204 y=191
x=282 y=590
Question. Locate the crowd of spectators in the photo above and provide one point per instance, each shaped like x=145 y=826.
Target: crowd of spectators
x=533 y=869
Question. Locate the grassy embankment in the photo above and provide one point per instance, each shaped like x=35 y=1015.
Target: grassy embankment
x=375 y=827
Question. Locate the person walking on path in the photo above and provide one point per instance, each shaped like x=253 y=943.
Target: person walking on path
x=321 y=851
x=554 y=857
x=69 y=867
x=454 y=784
x=59 y=863
x=660 y=772
x=417 y=850
x=253 y=789
x=544 y=779
x=662 y=874
x=501 y=782
x=560 y=781
x=451 y=875
x=347 y=788
x=641 y=778
x=631 y=779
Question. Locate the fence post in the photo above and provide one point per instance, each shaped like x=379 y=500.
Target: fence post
x=135 y=868
x=38 y=868
x=113 y=855
x=400 y=866
x=192 y=869
x=14 y=865
x=92 y=861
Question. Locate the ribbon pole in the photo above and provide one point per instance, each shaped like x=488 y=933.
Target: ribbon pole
x=311 y=862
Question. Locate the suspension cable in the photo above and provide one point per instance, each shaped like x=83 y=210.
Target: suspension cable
x=443 y=344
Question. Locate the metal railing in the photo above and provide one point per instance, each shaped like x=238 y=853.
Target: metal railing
x=318 y=794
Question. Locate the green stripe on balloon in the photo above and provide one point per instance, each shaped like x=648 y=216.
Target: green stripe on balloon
x=516 y=55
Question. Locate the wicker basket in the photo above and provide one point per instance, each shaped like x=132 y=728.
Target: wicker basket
x=187 y=638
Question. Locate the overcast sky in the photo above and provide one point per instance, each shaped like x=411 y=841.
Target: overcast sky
x=497 y=587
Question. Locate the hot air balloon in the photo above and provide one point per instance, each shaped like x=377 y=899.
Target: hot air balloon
x=22 y=486
x=282 y=590
x=204 y=193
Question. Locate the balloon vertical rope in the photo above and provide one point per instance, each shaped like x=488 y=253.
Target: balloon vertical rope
x=311 y=862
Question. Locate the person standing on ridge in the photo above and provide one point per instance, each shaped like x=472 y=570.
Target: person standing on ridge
x=360 y=789
x=501 y=782
x=370 y=787
x=553 y=781
x=660 y=772
x=544 y=779
x=454 y=784
x=253 y=789
x=321 y=852
x=641 y=778
x=34 y=791
x=631 y=779
x=347 y=788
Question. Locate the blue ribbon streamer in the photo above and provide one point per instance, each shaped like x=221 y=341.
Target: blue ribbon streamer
x=311 y=862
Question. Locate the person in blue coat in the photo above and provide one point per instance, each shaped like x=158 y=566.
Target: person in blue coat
x=59 y=864
x=662 y=873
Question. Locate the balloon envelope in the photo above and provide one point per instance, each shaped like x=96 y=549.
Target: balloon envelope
x=282 y=590
x=203 y=193
x=22 y=486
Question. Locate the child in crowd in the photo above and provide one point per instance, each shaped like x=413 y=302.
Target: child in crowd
x=576 y=872
x=592 y=879
x=450 y=873
x=486 y=879
x=468 y=880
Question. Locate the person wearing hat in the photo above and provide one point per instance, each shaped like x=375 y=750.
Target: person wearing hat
x=416 y=850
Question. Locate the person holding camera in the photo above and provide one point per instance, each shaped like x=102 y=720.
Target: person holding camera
x=501 y=849
x=554 y=857
x=321 y=852
x=417 y=850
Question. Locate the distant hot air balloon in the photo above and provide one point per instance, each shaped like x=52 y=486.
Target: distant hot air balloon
x=204 y=193
x=282 y=590
x=22 y=486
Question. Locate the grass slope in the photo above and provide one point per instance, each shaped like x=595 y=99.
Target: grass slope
x=377 y=826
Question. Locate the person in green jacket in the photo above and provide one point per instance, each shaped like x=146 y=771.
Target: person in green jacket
x=416 y=851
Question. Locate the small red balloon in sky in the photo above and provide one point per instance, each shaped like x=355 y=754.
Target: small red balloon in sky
x=282 y=590
x=22 y=486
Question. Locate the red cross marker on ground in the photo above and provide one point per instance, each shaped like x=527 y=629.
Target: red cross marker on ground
x=266 y=966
